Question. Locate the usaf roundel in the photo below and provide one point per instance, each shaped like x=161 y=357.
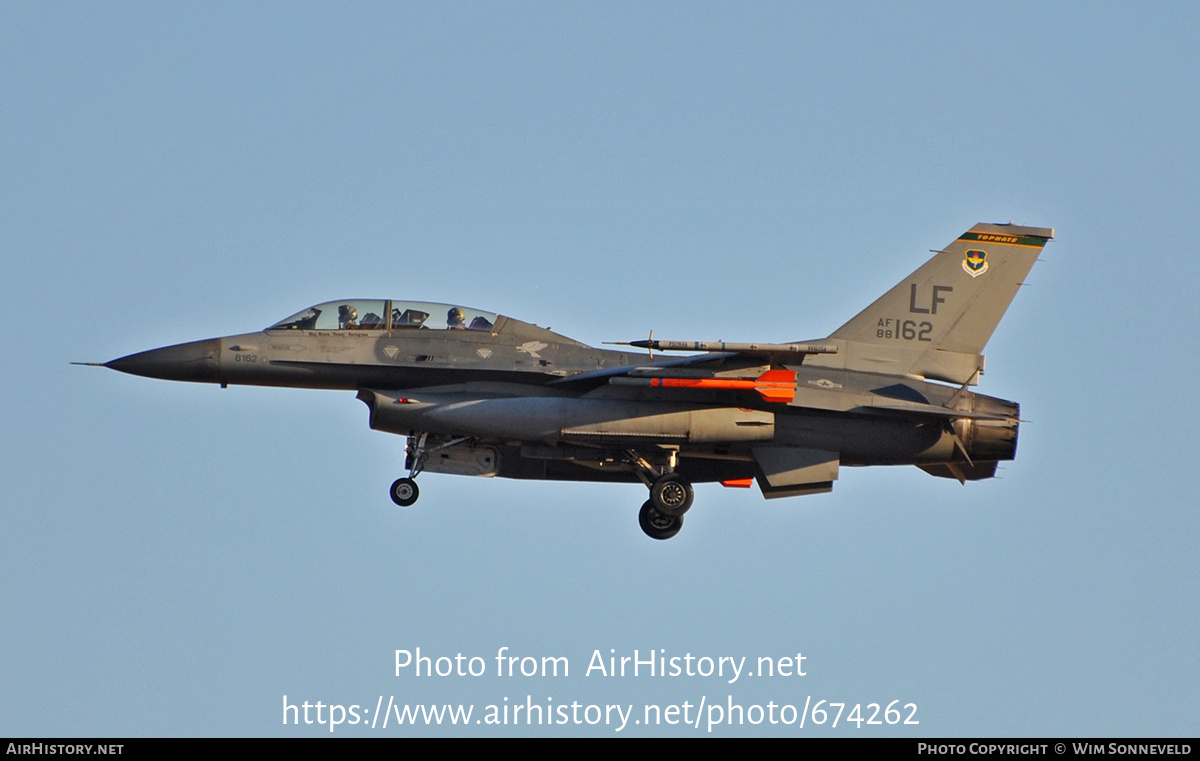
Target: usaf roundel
x=975 y=263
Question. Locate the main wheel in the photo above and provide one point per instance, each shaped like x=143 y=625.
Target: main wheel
x=656 y=525
x=404 y=491
x=672 y=495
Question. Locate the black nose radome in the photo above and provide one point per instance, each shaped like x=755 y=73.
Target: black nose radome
x=195 y=361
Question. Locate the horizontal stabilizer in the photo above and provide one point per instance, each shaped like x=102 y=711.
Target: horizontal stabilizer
x=934 y=410
x=856 y=400
x=961 y=471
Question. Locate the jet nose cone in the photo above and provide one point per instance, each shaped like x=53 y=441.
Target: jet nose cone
x=195 y=361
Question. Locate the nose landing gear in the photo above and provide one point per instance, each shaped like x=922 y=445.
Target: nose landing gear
x=404 y=492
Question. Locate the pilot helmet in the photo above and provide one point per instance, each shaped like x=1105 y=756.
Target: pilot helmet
x=455 y=316
x=347 y=313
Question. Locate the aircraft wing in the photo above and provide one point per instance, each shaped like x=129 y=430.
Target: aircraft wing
x=595 y=378
x=739 y=370
x=722 y=357
x=934 y=410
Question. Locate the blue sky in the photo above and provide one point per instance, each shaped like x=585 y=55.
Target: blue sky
x=178 y=557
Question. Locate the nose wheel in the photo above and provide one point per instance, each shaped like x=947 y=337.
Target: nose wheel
x=404 y=492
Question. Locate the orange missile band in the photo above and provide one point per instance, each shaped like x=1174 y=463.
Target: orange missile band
x=773 y=385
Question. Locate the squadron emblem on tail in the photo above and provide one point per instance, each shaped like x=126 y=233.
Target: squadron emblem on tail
x=975 y=263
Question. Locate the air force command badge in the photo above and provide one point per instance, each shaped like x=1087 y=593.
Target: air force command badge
x=975 y=263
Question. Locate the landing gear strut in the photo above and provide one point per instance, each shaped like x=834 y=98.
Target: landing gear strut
x=671 y=496
x=404 y=491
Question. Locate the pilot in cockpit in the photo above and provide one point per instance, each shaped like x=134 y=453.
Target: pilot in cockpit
x=456 y=319
x=347 y=317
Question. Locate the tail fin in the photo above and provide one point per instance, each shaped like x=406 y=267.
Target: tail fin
x=935 y=322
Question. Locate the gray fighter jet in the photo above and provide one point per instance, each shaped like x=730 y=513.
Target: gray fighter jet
x=482 y=394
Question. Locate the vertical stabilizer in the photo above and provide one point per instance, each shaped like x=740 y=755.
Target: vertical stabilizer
x=936 y=321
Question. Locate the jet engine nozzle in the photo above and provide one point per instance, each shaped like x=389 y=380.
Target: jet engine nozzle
x=990 y=439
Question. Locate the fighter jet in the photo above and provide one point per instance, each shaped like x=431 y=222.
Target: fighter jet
x=481 y=394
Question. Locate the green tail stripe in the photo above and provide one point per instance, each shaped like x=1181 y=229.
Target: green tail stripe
x=1010 y=240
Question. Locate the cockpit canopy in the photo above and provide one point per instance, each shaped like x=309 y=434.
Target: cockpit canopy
x=375 y=314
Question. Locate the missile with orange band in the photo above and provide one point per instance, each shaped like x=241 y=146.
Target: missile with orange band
x=772 y=386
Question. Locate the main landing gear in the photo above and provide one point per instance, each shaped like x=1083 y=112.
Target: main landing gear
x=655 y=524
x=671 y=496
